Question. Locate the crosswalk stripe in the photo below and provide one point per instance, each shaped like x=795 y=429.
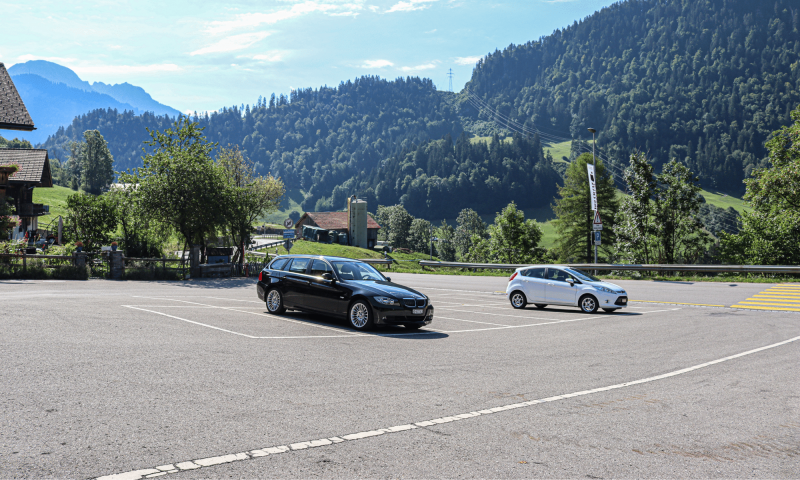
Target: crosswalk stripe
x=773 y=304
x=774 y=298
x=753 y=307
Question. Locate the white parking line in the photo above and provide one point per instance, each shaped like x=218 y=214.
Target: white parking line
x=302 y=445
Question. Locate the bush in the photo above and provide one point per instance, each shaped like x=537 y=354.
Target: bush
x=39 y=272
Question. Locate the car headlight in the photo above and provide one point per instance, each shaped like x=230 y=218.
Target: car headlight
x=604 y=289
x=387 y=300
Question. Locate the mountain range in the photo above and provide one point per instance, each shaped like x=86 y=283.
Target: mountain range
x=55 y=95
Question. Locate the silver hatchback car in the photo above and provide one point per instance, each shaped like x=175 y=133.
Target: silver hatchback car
x=544 y=285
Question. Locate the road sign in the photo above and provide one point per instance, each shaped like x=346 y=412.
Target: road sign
x=597 y=238
x=597 y=224
x=288 y=223
x=287 y=245
x=288 y=233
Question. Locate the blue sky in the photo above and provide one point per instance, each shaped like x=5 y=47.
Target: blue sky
x=203 y=55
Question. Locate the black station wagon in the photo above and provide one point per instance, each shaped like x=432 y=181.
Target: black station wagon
x=341 y=287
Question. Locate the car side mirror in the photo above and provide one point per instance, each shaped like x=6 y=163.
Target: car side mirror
x=571 y=282
x=327 y=276
x=388 y=279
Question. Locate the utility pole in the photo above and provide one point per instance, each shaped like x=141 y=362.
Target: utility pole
x=431 y=257
x=450 y=75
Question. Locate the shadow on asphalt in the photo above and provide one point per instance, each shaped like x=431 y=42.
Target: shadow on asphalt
x=378 y=330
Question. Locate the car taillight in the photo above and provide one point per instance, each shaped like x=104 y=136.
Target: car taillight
x=512 y=276
x=261 y=276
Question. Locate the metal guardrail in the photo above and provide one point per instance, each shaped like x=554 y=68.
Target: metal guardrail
x=779 y=269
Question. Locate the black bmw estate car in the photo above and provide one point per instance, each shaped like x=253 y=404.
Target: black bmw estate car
x=341 y=287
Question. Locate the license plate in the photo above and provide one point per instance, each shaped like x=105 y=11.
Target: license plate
x=417 y=311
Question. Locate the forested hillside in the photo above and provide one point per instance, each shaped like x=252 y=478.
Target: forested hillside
x=701 y=81
x=438 y=179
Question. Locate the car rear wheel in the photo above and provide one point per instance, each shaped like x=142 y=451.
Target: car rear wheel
x=588 y=304
x=275 y=302
x=609 y=310
x=518 y=299
x=540 y=305
x=360 y=315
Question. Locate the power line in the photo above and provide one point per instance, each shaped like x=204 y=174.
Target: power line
x=618 y=173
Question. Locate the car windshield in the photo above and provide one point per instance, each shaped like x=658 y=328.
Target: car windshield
x=582 y=276
x=356 y=271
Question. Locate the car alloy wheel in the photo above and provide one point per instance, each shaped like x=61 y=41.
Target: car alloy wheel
x=360 y=316
x=518 y=300
x=275 y=302
x=588 y=304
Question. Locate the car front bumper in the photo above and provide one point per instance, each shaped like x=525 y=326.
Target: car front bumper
x=385 y=315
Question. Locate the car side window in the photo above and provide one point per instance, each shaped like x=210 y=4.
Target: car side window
x=279 y=264
x=534 y=273
x=557 y=275
x=299 y=265
x=318 y=267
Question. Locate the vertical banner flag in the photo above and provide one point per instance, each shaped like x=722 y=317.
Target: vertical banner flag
x=592 y=186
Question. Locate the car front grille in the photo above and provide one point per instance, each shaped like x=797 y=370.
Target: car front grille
x=414 y=303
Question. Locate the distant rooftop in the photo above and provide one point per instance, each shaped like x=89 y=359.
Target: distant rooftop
x=334 y=220
x=34 y=165
x=13 y=114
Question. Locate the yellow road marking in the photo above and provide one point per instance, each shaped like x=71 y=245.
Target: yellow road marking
x=759 y=297
x=774 y=304
x=766 y=308
x=773 y=294
x=677 y=303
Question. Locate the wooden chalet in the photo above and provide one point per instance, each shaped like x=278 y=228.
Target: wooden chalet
x=33 y=165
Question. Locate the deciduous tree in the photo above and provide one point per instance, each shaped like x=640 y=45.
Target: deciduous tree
x=248 y=196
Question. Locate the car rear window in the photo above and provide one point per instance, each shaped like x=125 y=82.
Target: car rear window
x=318 y=267
x=534 y=273
x=298 y=265
x=279 y=264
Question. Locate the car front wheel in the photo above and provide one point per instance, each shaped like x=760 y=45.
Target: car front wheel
x=588 y=304
x=275 y=302
x=518 y=300
x=360 y=315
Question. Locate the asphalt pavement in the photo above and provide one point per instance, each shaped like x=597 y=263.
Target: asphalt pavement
x=194 y=379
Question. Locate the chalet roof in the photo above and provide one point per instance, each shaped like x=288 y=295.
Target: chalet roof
x=34 y=165
x=13 y=114
x=334 y=220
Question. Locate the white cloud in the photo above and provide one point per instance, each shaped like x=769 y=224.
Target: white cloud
x=426 y=66
x=374 y=8
x=377 y=64
x=344 y=14
x=410 y=6
x=59 y=60
x=233 y=43
x=467 y=60
x=271 y=56
x=254 y=20
x=126 y=69
x=431 y=31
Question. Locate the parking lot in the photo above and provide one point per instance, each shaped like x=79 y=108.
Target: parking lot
x=196 y=380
